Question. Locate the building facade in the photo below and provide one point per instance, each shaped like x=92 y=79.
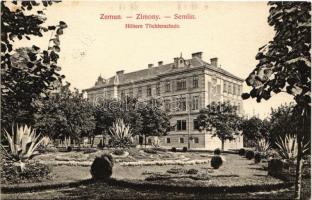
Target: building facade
x=185 y=86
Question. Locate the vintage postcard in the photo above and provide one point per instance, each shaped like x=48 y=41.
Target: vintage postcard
x=155 y=99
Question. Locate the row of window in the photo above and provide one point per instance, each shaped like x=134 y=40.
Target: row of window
x=181 y=125
x=232 y=88
x=181 y=85
x=182 y=141
x=180 y=104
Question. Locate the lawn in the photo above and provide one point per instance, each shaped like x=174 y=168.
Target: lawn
x=235 y=171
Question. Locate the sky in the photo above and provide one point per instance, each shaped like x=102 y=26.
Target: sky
x=90 y=46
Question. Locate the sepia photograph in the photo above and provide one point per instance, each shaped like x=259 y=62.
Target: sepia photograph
x=155 y=99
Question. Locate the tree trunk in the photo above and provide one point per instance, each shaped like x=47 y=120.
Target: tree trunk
x=145 y=140
x=299 y=159
x=222 y=145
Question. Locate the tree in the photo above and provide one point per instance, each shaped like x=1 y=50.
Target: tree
x=255 y=129
x=27 y=74
x=155 y=121
x=65 y=114
x=285 y=65
x=284 y=120
x=223 y=118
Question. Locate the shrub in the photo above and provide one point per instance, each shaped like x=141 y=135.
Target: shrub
x=160 y=149
x=175 y=170
x=102 y=167
x=69 y=149
x=192 y=171
x=152 y=151
x=275 y=167
x=217 y=151
x=250 y=155
x=121 y=134
x=118 y=152
x=216 y=161
x=86 y=151
x=258 y=157
x=184 y=149
x=173 y=149
x=241 y=152
x=33 y=172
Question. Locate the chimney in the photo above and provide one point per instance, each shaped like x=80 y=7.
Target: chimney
x=214 y=62
x=197 y=54
x=176 y=60
x=160 y=63
x=150 y=65
x=120 y=72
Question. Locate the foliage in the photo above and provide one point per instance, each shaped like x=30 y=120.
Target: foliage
x=102 y=167
x=275 y=167
x=176 y=170
x=184 y=149
x=192 y=171
x=217 y=151
x=23 y=142
x=173 y=149
x=216 y=161
x=33 y=172
x=121 y=134
x=263 y=145
x=255 y=129
x=66 y=114
x=287 y=147
x=223 y=117
x=250 y=154
x=258 y=157
x=285 y=118
x=155 y=121
x=285 y=65
x=151 y=151
x=27 y=74
x=241 y=152
x=118 y=152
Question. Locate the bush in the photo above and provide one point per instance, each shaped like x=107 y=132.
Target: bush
x=258 y=157
x=241 y=152
x=250 y=155
x=160 y=149
x=217 y=151
x=33 y=172
x=184 y=149
x=69 y=149
x=176 y=170
x=86 y=151
x=102 y=167
x=275 y=167
x=151 y=151
x=173 y=149
x=192 y=171
x=216 y=161
x=118 y=152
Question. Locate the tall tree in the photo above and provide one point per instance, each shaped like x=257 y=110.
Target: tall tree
x=223 y=118
x=64 y=114
x=285 y=65
x=254 y=129
x=27 y=74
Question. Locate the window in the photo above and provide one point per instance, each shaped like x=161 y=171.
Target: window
x=195 y=124
x=131 y=92
x=149 y=91
x=158 y=89
x=230 y=88
x=234 y=89
x=167 y=105
x=168 y=140
x=225 y=87
x=239 y=88
x=195 y=102
x=181 y=84
x=196 y=140
x=122 y=95
x=167 y=86
x=140 y=92
x=181 y=125
x=195 y=81
x=181 y=140
x=181 y=104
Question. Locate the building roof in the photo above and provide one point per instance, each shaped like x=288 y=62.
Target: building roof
x=155 y=71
